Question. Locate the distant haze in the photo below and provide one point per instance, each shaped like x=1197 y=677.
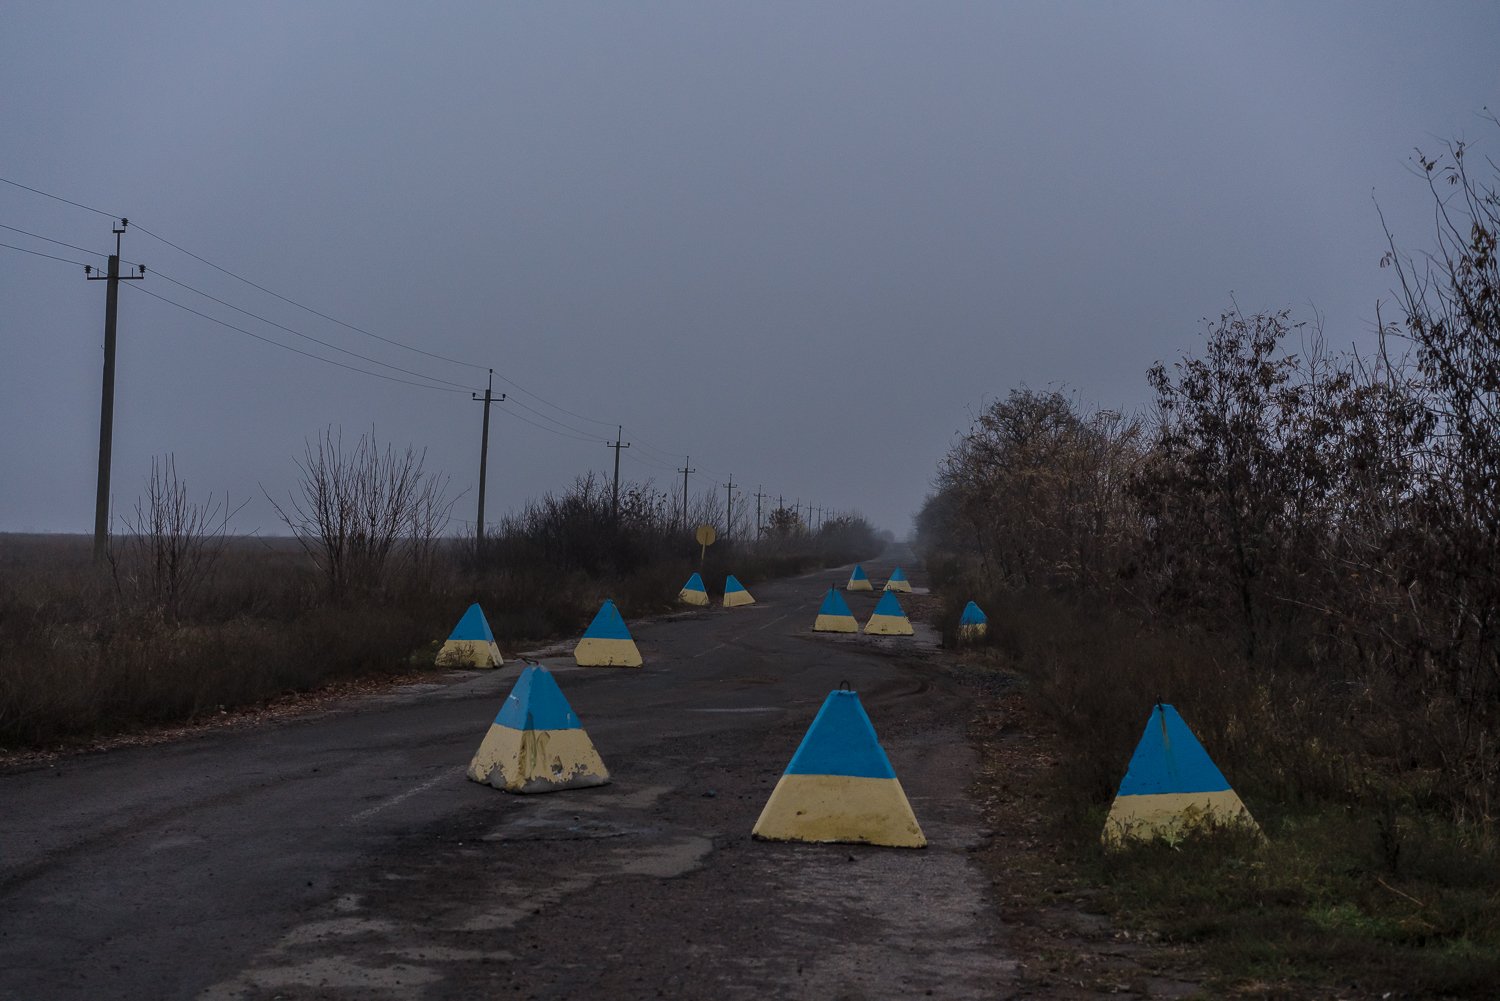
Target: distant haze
x=801 y=241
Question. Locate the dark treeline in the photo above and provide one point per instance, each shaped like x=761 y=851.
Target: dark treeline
x=186 y=620
x=1298 y=545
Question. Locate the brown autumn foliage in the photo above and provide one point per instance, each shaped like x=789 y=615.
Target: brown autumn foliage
x=1306 y=542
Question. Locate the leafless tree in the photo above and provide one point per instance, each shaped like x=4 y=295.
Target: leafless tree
x=363 y=514
x=171 y=543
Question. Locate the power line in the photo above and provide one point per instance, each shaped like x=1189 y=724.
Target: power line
x=38 y=253
x=522 y=389
x=554 y=420
x=572 y=432
x=293 y=302
x=309 y=337
x=59 y=198
x=256 y=316
x=242 y=278
x=646 y=460
x=543 y=427
x=288 y=347
x=38 y=236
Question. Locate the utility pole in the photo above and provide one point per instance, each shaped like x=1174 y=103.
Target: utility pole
x=484 y=451
x=758 y=496
x=687 y=467
x=617 y=444
x=107 y=397
x=729 y=516
x=820 y=517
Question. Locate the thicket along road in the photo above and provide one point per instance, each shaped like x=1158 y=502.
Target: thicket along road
x=347 y=856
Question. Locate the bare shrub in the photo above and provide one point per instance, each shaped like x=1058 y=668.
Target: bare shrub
x=171 y=543
x=364 y=514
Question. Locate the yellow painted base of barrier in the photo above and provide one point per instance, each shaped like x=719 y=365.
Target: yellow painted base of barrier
x=889 y=625
x=1169 y=815
x=469 y=653
x=844 y=808
x=592 y=652
x=537 y=760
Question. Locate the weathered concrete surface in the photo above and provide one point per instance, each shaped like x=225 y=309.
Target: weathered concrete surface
x=347 y=856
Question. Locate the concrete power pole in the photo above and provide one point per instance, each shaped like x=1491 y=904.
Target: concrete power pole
x=758 y=496
x=484 y=452
x=617 y=444
x=729 y=514
x=107 y=397
x=687 y=467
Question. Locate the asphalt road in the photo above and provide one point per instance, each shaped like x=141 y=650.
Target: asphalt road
x=346 y=855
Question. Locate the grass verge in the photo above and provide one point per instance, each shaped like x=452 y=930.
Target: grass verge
x=1352 y=892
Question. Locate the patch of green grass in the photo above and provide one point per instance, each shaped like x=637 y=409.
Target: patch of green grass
x=1316 y=903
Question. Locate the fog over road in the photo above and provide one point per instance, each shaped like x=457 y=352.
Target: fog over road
x=346 y=856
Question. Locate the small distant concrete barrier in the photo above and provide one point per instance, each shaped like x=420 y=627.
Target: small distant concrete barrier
x=471 y=644
x=606 y=642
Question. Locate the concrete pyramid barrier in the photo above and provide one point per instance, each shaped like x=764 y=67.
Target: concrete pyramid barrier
x=606 y=642
x=889 y=618
x=693 y=592
x=840 y=786
x=858 y=581
x=834 y=616
x=973 y=624
x=735 y=593
x=1170 y=787
x=471 y=644
x=898 y=582
x=536 y=743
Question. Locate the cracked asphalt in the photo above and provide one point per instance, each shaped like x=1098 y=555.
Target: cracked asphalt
x=346 y=856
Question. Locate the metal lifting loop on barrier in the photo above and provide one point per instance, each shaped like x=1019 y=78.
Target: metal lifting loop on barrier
x=844 y=687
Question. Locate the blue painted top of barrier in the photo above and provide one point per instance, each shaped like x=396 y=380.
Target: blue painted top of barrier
x=841 y=741
x=695 y=583
x=859 y=573
x=732 y=583
x=607 y=624
x=896 y=574
x=473 y=626
x=536 y=703
x=1169 y=759
x=972 y=616
x=889 y=605
x=834 y=604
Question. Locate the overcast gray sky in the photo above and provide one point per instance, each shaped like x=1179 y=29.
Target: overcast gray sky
x=800 y=241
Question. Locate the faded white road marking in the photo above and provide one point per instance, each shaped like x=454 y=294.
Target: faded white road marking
x=773 y=621
x=710 y=650
x=401 y=797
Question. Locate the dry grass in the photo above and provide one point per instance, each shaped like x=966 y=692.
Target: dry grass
x=83 y=655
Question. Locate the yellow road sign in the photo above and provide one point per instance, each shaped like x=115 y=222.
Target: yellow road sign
x=706 y=535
